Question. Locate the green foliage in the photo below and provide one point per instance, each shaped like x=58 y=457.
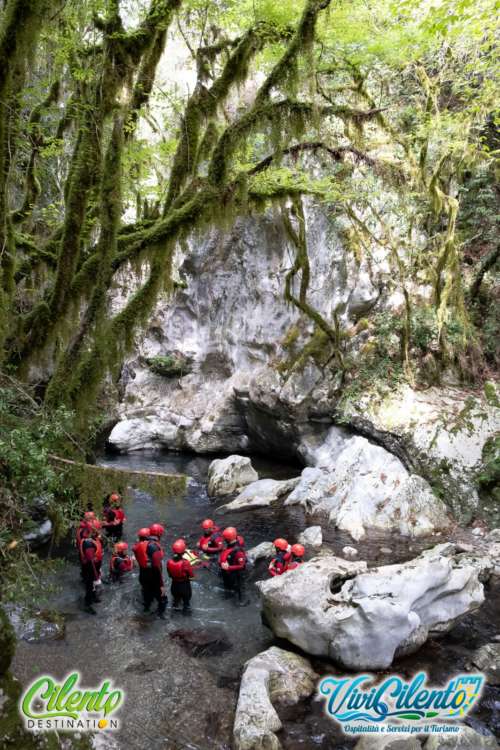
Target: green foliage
x=169 y=365
x=489 y=474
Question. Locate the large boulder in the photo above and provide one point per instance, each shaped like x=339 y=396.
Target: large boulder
x=228 y=475
x=487 y=659
x=312 y=537
x=363 y=618
x=466 y=739
x=370 y=488
x=272 y=676
x=261 y=494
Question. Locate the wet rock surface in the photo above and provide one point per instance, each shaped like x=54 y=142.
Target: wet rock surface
x=202 y=641
x=274 y=676
x=487 y=659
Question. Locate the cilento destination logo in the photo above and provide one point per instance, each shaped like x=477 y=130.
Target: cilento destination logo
x=46 y=705
x=395 y=705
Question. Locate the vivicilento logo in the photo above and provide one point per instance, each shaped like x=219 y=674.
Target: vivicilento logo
x=46 y=705
x=395 y=705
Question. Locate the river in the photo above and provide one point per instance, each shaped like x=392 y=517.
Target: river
x=180 y=693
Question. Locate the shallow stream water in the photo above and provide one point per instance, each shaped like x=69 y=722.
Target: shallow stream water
x=185 y=700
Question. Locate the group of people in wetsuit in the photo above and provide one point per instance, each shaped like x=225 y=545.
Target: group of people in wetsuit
x=225 y=547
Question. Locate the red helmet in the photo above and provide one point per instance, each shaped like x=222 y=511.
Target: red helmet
x=144 y=532
x=298 y=550
x=120 y=547
x=230 y=534
x=89 y=515
x=281 y=544
x=156 y=529
x=115 y=497
x=207 y=524
x=179 y=546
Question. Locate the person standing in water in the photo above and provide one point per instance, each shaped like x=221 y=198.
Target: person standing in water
x=212 y=542
x=153 y=587
x=91 y=560
x=232 y=562
x=181 y=573
x=279 y=564
x=120 y=563
x=114 y=516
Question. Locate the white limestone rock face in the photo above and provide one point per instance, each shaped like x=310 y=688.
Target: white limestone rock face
x=228 y=317
x=185 y=414
x=140 y=433
x=375 y=615
x=441 y=430
x=370 y=488
x=311 y=538
x=260 y=494
x=228 y=475
x=274 y=676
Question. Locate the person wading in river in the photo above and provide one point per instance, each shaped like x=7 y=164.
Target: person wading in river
x=181 y=573
x=212 y=542
x=139 y=550
x=152 y=572
x=232 y=562
x=120 y=563
x=91 y=560
x=279 y=564
x=114 y=516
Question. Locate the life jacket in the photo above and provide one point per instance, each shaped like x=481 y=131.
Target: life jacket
x=85 y=543
x=120 y=515
x=229 y=554
x=179 y=570
x=118 y=564
x=152 y=547
x=280 y=563
x=139 y=551
x=294 y=563
x=214 y=540
x=82 y=533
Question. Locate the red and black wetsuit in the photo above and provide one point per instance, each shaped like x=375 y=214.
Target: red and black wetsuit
x=152 y=575
x=181 y=573
x=91 y=560
x=232 y=576
x=113 y=521
x=118 y=566
x=82 y=532
x=280 y=563
x=212 y=542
